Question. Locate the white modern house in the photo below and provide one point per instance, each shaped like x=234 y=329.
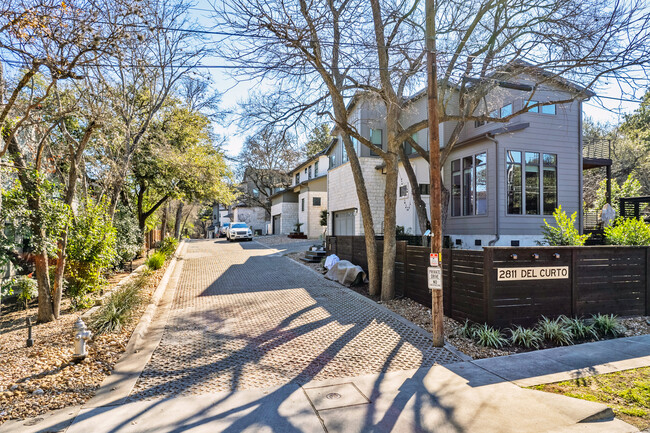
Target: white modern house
x=504 y=178
x=302 y=202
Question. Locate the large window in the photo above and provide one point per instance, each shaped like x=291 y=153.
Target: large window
x=316 y=169
x=297 y=178
x=408 y=149
x=469 y=185
x=531 y=183
x=309 y=172
x=376 y=139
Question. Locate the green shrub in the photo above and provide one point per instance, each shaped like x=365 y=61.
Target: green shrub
x=467 y=330
x=555 y=330
x=91 y=249
x=628 y=231
x=607 y=325
x=489 y=337
x=168 y=246
x=26 y=288
x=525 y=337
x=565 y=233
x=156 y=261
x=116 y=312
x=579 y=329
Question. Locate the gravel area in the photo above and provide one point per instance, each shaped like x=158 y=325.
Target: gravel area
x=421 y=316
x=41 y=378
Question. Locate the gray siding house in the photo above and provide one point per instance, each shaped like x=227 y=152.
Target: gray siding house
x=504 y=178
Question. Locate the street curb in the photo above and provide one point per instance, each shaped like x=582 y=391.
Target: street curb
x=116 y=388
x=408 y=323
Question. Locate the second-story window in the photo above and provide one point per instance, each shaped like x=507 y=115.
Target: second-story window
x=333 y=160
x=408 y=149
x=309 y=172
x=316 y=169
x=548 y=109
x=297 y=178
x=344 y=154
x=376 y=139
x=505 y=111
x=403 y=191
x=532 y=106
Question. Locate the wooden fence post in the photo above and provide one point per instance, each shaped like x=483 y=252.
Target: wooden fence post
x=450 y=279
x=647 y=281
x=488 y=263
x=574 y=282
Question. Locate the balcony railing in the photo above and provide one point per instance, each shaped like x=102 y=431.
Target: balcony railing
x=596 y=149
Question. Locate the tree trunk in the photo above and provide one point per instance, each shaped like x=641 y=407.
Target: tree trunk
x=390 y=242
x=177 y=223
x=420 y=206
x=163 y=225
x=45 y=306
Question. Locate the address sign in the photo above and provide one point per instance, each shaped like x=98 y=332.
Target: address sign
x=538 y=273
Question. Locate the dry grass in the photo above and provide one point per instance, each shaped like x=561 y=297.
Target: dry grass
x=626 y=392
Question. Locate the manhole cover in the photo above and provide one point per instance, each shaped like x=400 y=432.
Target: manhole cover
x=333 y=396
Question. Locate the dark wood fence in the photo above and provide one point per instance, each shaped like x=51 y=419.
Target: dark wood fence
x=599 y=279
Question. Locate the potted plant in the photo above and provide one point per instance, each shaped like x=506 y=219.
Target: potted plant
x=296 y=233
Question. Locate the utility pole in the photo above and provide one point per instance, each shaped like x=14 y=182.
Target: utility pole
x=435 y=271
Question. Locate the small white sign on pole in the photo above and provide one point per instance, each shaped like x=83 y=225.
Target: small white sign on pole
x=434 y=277
x=433 y=259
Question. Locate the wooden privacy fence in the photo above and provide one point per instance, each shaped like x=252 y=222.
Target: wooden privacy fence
x=504 y=286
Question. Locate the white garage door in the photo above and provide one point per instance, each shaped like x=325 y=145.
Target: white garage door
x=344 y=223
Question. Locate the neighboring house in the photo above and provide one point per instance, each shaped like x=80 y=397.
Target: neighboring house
x=253 y=216
x=504 y=179
x=254 y=206
x=304 y=200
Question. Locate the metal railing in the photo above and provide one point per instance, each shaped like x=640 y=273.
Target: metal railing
x=597 y=149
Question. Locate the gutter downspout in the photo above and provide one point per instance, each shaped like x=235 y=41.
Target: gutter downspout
x=496 y=192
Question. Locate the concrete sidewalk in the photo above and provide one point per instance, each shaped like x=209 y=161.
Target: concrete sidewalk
x=475 y=396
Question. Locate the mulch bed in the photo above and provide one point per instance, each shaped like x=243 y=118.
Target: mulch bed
x=35 y=380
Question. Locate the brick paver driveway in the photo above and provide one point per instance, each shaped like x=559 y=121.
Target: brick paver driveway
x=244 y=317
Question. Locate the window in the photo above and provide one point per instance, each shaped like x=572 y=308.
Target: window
x=505 y=111
x=494 y=114
x=256 y=192
x=480 y=165
x=376 y=139
x=297 y=178
x=355 y=144
x=316 y=201
x=344 y=157
x=333 y=160
x=309 y=176
x=403 y=191
x=532 y=183
x=468 y=185
x=424 y=188
x=305 y=172
x=455 y=188
x=302 y=204
x=513 y=178
x=548 y=109
x=532 y=106
x=549 y=181
x=408 y=149
x=316 y=169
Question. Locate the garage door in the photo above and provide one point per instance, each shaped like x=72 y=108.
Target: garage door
x=344 y=223
x=276 y=224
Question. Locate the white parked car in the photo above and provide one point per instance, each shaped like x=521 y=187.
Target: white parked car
x=223 y=230
x=238 y=231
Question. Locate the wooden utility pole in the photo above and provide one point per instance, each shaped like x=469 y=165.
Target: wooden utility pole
x=434 y=174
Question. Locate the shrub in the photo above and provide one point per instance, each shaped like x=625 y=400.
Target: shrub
x=115 y=313
x=525 y=337
x=168 y=246
x=579 y=329
x=156 y=261
x=91 y=249
x=26 y=288
x=607 y=325
x=128 y=235
x=489 y=337
x=628 y=231
x=555 y=330
x=323 y=217
x=565 y=233
x=467 y=330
